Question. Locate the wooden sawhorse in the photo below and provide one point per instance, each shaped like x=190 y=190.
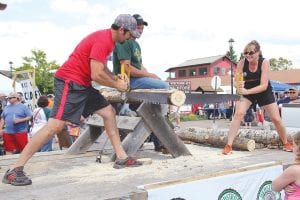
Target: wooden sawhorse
x=150 y=120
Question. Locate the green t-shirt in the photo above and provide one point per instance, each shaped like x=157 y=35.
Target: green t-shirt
x=129 y=50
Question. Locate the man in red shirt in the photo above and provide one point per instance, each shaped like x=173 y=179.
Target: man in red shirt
x=74 y=95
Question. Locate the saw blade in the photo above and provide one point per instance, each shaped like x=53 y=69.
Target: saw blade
x=147 y=97
x=193 y=98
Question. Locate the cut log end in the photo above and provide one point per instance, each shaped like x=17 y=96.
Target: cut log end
x=251 y=145
x=177 y=98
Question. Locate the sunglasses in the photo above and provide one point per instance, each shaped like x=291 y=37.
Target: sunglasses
x=291 y=92
x=250 y=53
x=11 y=97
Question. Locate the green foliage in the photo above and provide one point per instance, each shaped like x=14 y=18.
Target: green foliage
x=241 y=56
x=231 y=54
x=280 y=64
x=190 y=117
x=44 y=70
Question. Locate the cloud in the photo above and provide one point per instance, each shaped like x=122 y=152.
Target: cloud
x=177 y=31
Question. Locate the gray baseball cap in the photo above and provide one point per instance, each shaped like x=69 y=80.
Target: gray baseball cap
x=127 y=22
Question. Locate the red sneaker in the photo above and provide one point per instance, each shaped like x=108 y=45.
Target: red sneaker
x=227 y=149
x=128 y=162
x=287 y=147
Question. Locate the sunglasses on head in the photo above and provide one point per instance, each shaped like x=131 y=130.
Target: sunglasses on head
x=250 y=53
x=11 y=97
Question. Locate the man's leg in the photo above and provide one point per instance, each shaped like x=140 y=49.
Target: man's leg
x=52 y=127
x=16 y=175
x=147 y=83
x=109 y=119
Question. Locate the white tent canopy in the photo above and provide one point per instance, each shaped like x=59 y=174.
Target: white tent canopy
x=6 y=85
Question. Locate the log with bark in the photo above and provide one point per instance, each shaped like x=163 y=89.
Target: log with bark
x=218 y=137
x=215 y=138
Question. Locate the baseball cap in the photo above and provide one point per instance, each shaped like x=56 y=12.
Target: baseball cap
x=292 y=88
x=127 y=22
x=140 y=20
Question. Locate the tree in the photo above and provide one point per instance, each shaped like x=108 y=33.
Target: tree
x=280 y=64
x=44 y=70
x=231 y=54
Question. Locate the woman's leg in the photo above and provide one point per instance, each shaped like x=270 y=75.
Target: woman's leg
x=241 y=108
x=273 y=112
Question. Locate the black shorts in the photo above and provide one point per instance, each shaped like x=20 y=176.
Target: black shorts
x=73 y=100
x=262 y=99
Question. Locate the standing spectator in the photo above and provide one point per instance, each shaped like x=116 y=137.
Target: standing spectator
x=3 y=100
x=260 y=117
x=249 y=117
x=15 y=117
x=221 y=110
x=255 y=89
x=289 y=180
x=50 y=100
x=75 y=96
x=40 y=117
x=177 y=118
x=292 y=96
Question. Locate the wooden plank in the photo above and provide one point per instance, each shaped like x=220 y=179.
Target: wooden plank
x=85 y=140
x=123 y=122
x=170 y=96
x=151 y=114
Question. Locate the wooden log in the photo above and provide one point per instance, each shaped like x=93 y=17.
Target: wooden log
x=85 y=140
x=215 y=139
x=151 y=114
x=262 y=138
x=173 y=96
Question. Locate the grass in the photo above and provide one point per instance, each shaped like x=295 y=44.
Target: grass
x=187 y=117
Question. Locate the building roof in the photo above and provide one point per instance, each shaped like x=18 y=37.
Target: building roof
x=198 y=61
x=291 y=76
x=285 y=76
x=6 y=73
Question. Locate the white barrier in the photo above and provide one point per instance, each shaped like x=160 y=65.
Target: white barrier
x=290 y=114
x=253 y=182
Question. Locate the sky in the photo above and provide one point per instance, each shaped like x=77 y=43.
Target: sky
x=177 y=30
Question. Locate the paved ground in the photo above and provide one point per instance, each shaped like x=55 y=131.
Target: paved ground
x=58 y=176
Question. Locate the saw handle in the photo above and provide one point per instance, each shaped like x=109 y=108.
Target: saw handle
x=125 y=74
x=240 y=81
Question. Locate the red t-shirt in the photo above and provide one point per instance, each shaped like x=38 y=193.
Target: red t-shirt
x=97 y=46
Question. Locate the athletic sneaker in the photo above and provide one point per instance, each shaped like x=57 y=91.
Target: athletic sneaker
x=16 y=177
x=227 y=149
x=128 y=162
x=288 y=147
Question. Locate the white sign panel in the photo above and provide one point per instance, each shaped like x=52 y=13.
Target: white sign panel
x=215 y=82
x=29 y=94
x=247 y=185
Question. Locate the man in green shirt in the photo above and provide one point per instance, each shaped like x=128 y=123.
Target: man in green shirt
x=129 y=53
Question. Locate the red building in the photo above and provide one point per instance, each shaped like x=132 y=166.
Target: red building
x=200 y=71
